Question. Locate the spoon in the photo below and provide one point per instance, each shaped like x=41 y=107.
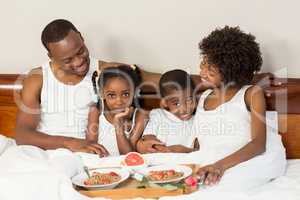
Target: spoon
x=86 y=169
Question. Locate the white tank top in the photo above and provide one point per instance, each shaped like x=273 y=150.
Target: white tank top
x=107 y=134
x=224 y=130
x=64 y=108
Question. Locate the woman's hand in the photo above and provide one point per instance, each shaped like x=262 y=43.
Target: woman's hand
x=212 y=173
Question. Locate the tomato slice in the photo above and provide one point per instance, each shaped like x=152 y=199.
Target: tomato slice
x=113 y=174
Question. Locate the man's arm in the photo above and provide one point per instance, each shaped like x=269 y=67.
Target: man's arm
x=28 y=118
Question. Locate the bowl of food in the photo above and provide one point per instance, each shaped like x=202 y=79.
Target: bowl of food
x=166 y=173
x=101 y=178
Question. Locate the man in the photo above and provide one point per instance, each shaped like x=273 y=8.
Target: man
x=56 y=96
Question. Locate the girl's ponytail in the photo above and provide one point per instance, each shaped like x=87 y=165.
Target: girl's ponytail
x=94 y=76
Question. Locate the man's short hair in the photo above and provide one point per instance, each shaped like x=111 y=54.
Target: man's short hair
x=56 y=31
x=175 y=79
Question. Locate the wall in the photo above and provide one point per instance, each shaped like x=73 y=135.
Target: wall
x=158 y=34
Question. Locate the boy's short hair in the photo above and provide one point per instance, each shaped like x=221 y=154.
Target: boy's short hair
x=175 y=79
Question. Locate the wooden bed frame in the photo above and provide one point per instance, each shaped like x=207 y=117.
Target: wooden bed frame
x=283 y=95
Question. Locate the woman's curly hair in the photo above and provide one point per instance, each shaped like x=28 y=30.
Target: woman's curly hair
x=235 y=53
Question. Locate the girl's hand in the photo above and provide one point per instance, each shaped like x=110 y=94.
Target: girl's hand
x=118 y=119
x=212 y=173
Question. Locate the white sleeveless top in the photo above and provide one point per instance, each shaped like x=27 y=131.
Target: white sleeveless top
x=64 y=108
x=107 y=134
x=224 y=130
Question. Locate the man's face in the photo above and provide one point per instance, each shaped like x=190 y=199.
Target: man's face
x=70 y=54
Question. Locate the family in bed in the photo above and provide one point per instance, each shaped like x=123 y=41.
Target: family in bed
x=77 y=102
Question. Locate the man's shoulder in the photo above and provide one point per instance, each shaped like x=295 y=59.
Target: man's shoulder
x=34 y=78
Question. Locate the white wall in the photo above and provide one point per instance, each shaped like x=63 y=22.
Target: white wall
x=159 y=34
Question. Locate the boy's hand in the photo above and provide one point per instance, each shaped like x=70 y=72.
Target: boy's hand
x=212 y=173
x=148 y=146
x=179 y=149
x=161 y=148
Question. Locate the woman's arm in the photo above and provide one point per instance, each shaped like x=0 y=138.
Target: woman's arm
x=255 y=101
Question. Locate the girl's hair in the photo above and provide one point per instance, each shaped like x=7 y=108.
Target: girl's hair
x=235 y=53
x=129 y=73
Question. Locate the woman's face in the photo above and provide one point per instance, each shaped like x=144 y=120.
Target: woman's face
x=209 y=73
x=118 y=94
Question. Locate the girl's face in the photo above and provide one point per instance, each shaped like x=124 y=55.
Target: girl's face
x=118 y=94
x=209 y=73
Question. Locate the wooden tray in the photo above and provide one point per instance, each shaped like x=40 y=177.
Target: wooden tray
x=128 y=189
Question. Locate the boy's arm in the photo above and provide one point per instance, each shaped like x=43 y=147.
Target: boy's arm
x=180 y=149
x=256 y=102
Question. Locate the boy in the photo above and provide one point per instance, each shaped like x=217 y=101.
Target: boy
x=171 y=125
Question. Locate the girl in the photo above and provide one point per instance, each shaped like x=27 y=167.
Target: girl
x=230 y=118
x=114 y=122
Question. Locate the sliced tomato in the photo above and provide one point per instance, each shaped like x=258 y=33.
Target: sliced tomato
x=133 y=159
x=113 y=174
x=171 y=172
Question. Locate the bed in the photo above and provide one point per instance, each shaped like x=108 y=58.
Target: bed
x=282 y=95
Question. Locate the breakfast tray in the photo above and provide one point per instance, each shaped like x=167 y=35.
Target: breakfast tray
x=129 y=189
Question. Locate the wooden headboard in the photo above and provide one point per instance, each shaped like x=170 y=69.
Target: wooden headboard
x=283 y=95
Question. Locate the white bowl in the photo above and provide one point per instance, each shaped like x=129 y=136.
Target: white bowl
x=81 y=177
x=187 y=171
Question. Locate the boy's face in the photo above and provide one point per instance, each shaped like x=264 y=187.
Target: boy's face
x=180 y=102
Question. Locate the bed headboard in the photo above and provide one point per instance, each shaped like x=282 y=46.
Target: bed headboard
x=283 y=95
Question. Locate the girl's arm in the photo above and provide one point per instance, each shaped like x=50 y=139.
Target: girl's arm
x=93 y=124
x=92 y=129
x=255 y=101
x=141 y=119
x=124 y=145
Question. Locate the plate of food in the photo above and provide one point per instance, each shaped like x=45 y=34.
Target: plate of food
x=101 y=178
x=166 y=173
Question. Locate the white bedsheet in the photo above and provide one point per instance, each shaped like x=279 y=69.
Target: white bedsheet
x=30 y=173
x=27 y=172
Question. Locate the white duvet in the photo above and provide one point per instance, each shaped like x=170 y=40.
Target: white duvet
x=27 y=172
